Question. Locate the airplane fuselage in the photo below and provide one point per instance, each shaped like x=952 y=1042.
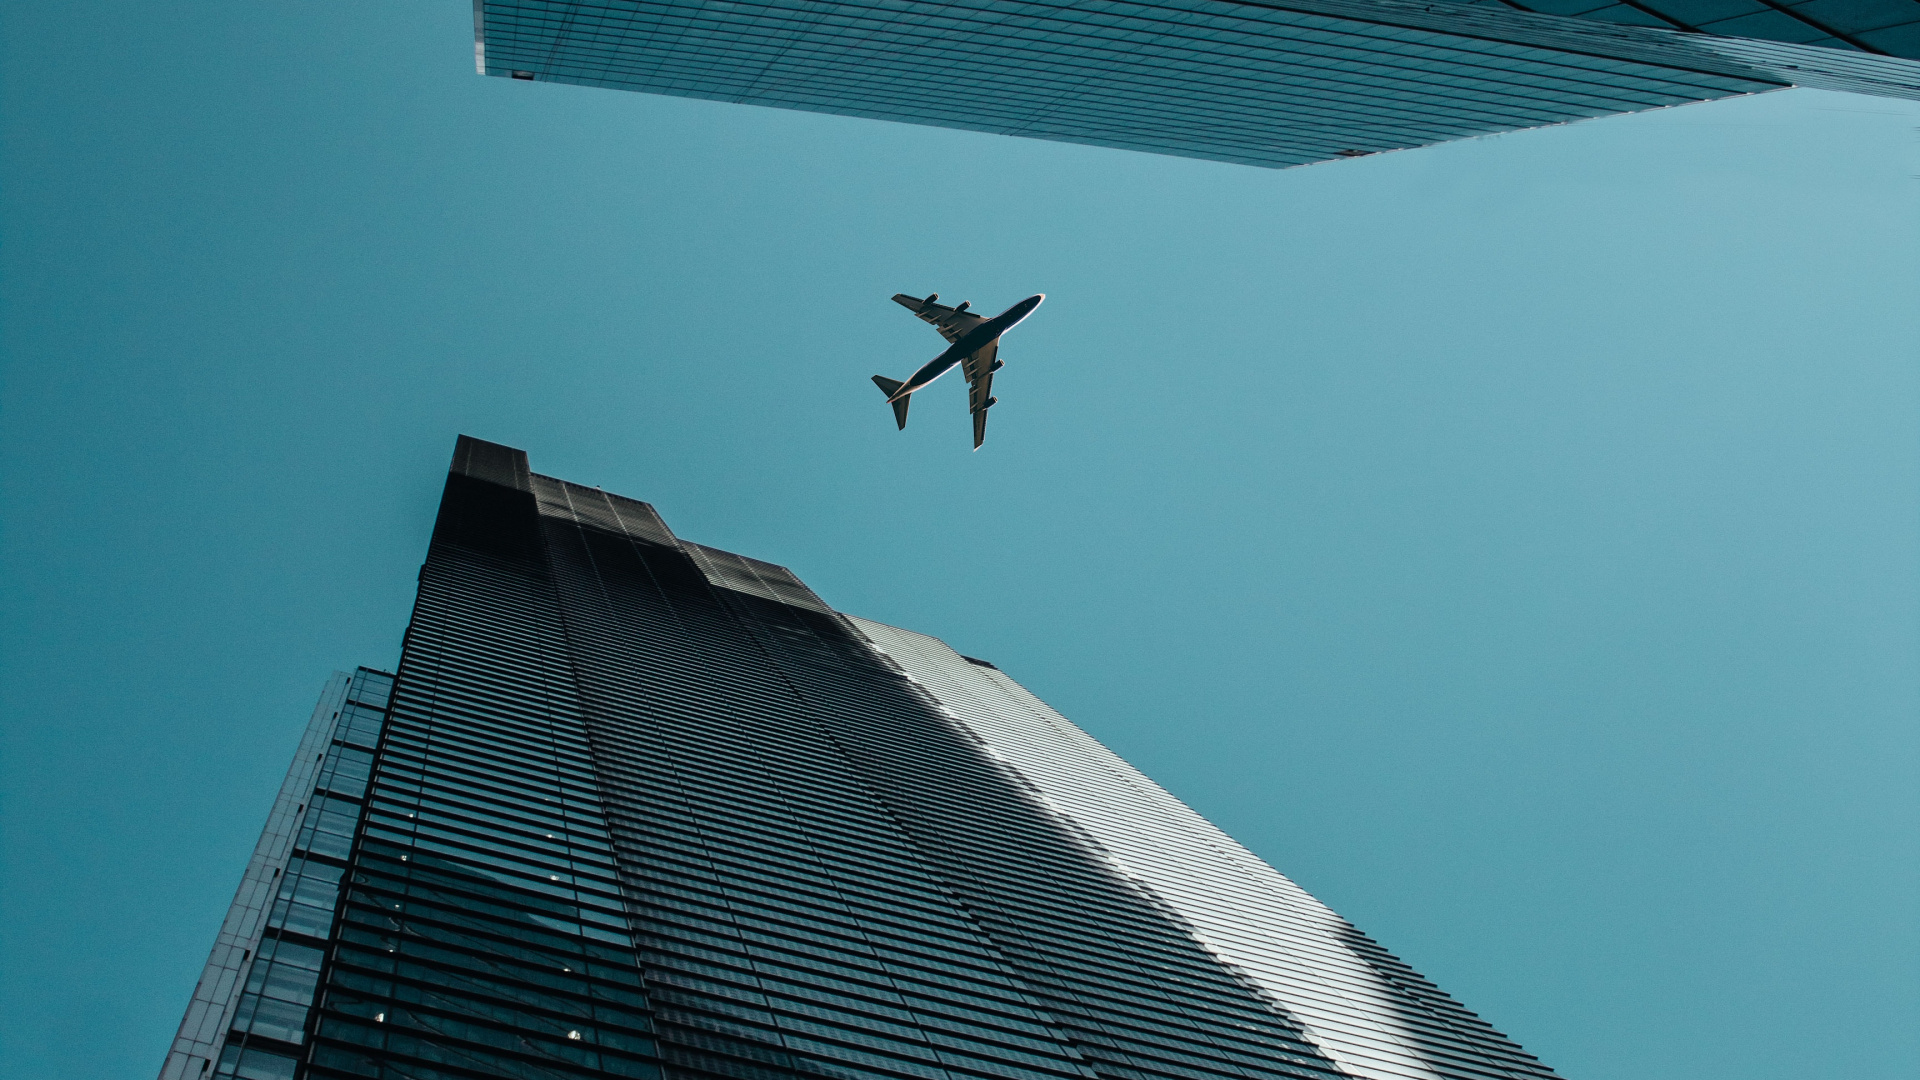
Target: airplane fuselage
x=972 y=342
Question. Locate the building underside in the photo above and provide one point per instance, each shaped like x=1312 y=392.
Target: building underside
x=1257 y=84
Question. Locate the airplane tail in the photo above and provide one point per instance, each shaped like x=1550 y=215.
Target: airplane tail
x=891 y=387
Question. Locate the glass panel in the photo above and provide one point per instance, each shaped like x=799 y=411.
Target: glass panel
x=301 y=919
x=260 y=1065
x=283 y=1020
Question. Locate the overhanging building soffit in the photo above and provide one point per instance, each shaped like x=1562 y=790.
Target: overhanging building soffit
x=1245 y=81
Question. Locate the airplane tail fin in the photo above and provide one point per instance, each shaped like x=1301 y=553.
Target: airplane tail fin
x=891 y=387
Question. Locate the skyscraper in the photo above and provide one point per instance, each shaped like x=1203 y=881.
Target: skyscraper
x=635 y=807
x=1259 y=83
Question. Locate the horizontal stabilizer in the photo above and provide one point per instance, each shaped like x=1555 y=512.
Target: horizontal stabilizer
x=891 y=387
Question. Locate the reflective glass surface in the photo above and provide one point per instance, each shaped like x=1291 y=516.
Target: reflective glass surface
x=268 y=1023
x=635 y=807
x=829 y=879
x=483 y=930
x=1882 y=27
x=1241 y=82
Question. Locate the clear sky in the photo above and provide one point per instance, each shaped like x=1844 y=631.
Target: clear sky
x=1517 y=542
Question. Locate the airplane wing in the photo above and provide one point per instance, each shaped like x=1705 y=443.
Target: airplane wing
x=979 y=370
x=952 y=324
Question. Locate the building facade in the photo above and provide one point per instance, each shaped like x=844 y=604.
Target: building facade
x=634 y=807
x=1270 y=84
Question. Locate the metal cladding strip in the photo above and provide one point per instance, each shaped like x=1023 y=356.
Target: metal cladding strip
x=1370 y=1014
x=480 y=36
x=203 y=1031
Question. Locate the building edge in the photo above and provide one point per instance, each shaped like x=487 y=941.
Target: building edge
x=203 y=1030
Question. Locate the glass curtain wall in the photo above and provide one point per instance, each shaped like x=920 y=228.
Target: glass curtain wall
x=634 y=807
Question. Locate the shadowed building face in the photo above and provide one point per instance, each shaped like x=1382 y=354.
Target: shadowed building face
x=634 y=807
x=1259 y=84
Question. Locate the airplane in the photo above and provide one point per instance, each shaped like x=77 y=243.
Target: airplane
x=973 y=342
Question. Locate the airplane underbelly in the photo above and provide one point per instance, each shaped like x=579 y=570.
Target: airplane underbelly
x=935 y=368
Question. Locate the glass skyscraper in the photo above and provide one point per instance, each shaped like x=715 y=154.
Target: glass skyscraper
x=634 y=807
x=1272 y=84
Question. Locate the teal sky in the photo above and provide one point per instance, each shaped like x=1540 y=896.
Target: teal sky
x=1517 y=542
